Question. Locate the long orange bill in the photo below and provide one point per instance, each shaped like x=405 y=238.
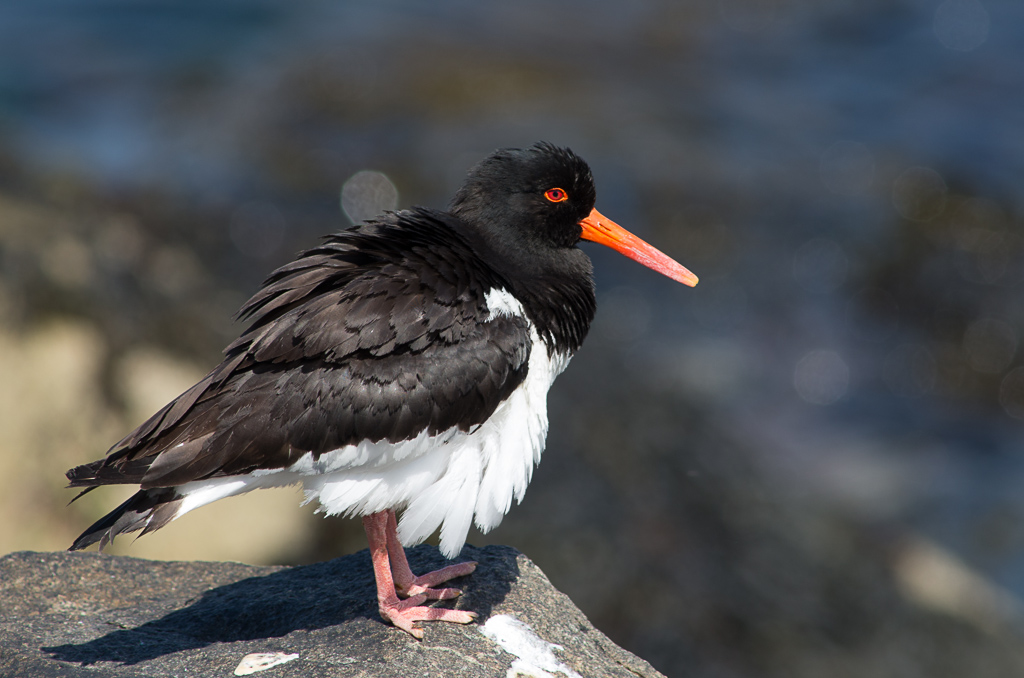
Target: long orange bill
x=600 y=229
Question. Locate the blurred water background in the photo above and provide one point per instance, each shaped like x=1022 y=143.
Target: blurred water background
x=811 y=464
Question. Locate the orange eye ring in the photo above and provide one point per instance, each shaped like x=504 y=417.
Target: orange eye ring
x=556 y=195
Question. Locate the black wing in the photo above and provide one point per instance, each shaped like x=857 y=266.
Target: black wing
x=379 y=334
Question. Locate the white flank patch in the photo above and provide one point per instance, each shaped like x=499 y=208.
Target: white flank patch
x=501 y=302
x=201 y=492
x=534 y=656
x=261 y=661
x=449 y=480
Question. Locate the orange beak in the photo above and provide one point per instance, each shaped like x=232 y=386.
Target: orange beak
x=600 y=229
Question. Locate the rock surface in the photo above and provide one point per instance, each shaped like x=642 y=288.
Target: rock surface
x=87 y=614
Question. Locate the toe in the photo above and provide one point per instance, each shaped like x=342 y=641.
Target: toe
x=426 y=582
x=404 y=616
x=434 y=594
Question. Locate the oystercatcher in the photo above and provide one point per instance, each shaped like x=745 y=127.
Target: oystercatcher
x=402 y=365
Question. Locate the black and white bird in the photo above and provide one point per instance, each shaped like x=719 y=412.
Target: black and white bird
x=401 y=366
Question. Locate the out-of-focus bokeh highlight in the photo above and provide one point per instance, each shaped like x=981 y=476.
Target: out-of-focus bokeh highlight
x=811 y=464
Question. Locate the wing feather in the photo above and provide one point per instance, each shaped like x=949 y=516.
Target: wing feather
x=378 y=334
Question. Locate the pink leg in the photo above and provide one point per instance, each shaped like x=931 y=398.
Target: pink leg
x=407 y=584
x=402 y=613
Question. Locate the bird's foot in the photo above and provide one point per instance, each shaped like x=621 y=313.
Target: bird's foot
x=395 y=580
x=424 y=584
x=405 y=613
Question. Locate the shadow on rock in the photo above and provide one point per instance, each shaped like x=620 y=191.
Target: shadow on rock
x=338 y=593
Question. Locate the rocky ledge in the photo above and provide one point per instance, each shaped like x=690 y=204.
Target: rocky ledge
x=87 y=614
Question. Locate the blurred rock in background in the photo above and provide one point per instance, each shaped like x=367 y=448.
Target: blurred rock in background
x=810 y=464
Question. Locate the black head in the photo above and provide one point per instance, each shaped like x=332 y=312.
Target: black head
x=537 y=195
x=526 y=210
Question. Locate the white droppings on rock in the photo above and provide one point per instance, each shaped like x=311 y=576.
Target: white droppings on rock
x=535 y=657
x=261 y=661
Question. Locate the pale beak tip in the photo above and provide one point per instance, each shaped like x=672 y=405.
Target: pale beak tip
x=685 y=276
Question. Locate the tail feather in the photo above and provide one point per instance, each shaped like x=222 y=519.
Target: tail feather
x=104 y=472
x=81 y=494
x=146 y=510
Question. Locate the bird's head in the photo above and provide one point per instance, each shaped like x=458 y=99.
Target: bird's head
x=544 y=196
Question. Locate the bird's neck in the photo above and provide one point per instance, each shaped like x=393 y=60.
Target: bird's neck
x=554 y=285
x=561 y=308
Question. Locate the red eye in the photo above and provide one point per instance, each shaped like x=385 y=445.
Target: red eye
x=556 y=195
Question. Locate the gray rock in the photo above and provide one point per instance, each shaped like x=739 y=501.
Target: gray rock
x=87 y=614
